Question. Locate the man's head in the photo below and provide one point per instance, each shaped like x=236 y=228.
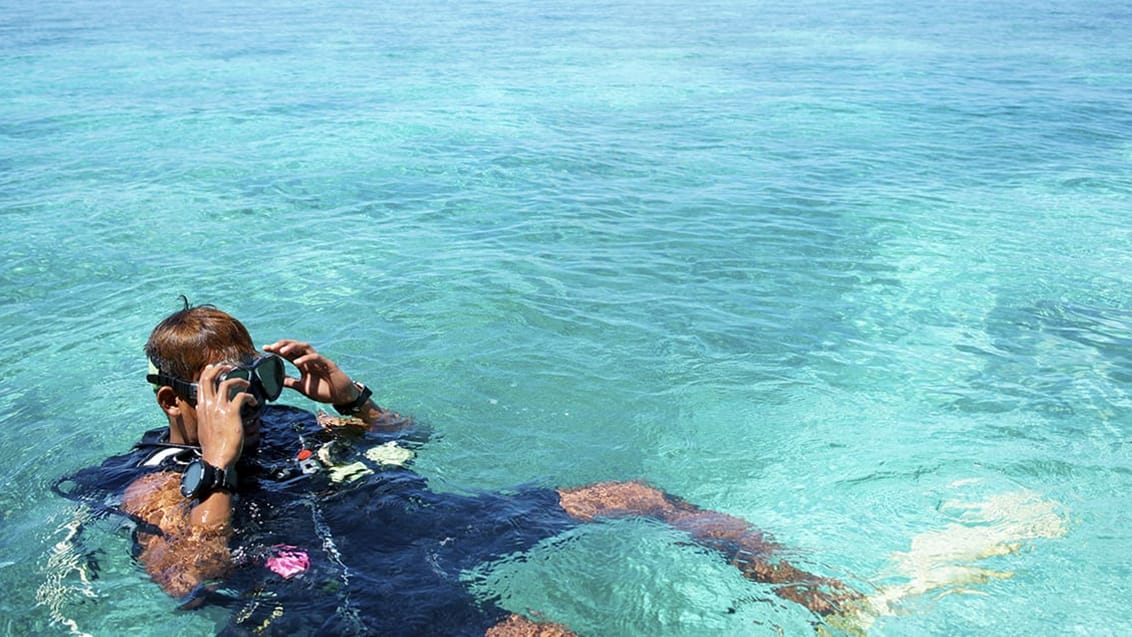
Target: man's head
x=181 y=346
x=193 y=337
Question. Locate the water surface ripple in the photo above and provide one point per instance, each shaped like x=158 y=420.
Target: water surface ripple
x=826 y=268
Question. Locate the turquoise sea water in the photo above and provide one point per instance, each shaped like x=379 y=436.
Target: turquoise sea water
x=825 y=267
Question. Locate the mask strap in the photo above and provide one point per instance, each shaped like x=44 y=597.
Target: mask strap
x=151 y=376
x=158 y=380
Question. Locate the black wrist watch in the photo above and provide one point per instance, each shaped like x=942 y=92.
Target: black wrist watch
x=352 y=408
x=201 y=479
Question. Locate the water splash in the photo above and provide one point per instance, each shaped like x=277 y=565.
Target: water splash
x=67 y=574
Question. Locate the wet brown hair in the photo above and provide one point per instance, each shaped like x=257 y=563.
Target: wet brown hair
x=194 y=336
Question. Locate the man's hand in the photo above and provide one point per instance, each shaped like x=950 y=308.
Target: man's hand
x=320 y=378
x=219 y=428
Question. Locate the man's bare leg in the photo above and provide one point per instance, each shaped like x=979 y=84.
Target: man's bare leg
x=744 y=547
x=519 y=626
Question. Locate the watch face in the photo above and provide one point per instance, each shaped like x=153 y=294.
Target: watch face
x=192 y=478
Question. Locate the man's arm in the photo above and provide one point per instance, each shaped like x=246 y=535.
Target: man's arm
x=519 y=626
x=742 y=545
x=379 y=418
x=323 y=381
x=193 y=545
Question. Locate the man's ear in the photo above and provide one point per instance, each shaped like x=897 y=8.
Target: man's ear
x=167 y=400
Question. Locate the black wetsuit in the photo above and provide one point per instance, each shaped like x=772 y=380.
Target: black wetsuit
x=386 y=554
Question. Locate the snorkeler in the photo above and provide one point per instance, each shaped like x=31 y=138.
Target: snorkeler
x=303 y=524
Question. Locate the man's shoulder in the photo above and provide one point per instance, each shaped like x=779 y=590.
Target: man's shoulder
x=281 y=425
x=286 y=415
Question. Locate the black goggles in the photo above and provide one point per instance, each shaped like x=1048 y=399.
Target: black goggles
x=264 y=375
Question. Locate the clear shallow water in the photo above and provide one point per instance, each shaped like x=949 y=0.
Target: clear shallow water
x=823 y=268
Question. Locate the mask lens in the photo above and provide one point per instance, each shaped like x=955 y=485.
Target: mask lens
x=242 y=374
x=271 y=373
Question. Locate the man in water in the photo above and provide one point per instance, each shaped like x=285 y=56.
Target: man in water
x=259 y=508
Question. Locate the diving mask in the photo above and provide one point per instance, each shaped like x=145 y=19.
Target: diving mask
x=264 y=375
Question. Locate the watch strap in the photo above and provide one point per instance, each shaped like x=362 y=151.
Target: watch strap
x=226 y=479
x=352 y=408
